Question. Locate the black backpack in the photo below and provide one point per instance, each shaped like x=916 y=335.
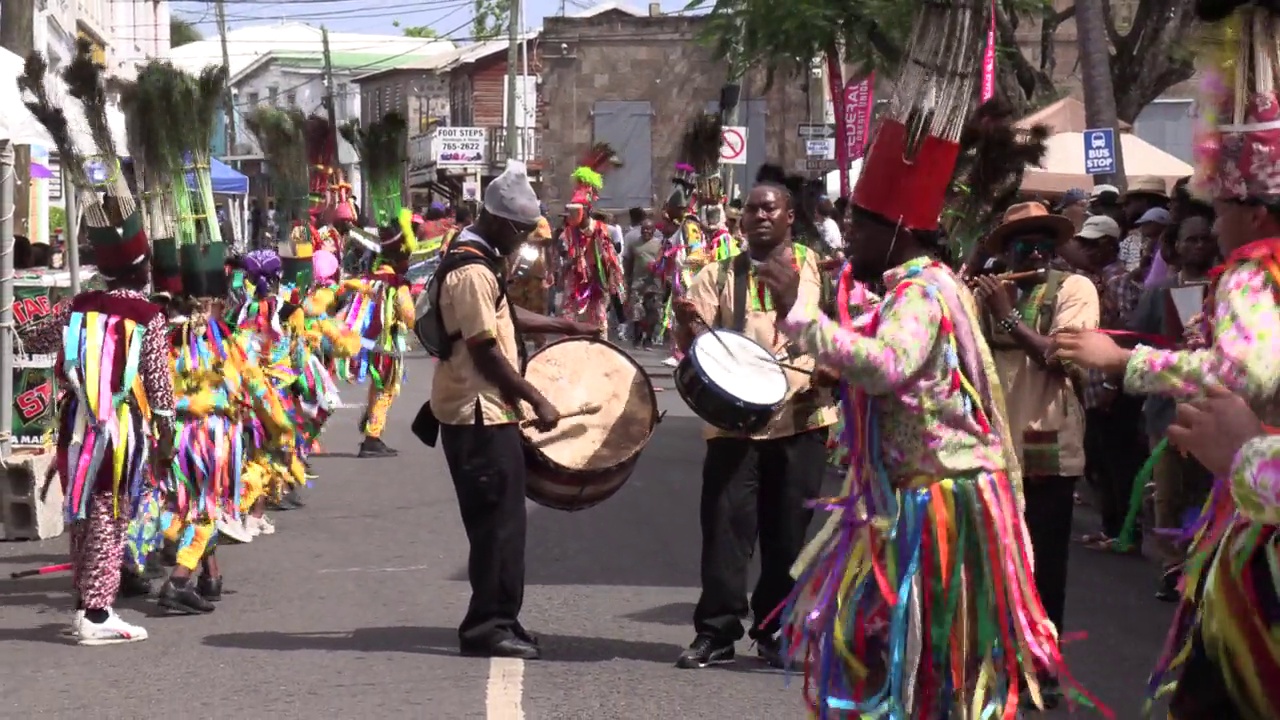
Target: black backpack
x=428 y=324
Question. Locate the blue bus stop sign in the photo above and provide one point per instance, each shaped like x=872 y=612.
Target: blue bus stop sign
x=1100 y=151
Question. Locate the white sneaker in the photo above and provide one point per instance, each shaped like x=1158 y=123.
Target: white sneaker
x=232 y=529
x=671 y=362
x=74 y=629
x=112 y=631
x=259 y=526
x=251 y=526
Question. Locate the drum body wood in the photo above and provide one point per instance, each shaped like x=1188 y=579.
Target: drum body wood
x=584 y=460
x=731 y=382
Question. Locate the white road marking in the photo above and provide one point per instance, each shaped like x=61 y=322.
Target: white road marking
x=504 y=694
x=411 y=568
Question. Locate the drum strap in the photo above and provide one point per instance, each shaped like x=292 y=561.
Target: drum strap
x=741 y=278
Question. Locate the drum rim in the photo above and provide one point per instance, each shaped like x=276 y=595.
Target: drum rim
x=653 y=403
x=698 y=367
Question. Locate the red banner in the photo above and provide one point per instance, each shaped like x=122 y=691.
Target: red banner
x=859 y=98
x=835 y=85
x=989 y=59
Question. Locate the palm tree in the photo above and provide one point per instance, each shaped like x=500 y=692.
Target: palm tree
x=1095 y=74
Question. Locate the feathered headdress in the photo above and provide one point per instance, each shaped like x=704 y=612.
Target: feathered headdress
x=589 y=177
x=993 y=156
x=908 y=168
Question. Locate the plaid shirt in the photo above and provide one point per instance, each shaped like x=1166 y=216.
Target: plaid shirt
x=1118 y=295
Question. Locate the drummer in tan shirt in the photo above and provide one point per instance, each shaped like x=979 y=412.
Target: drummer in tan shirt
x=474 y=396
x=758 y=485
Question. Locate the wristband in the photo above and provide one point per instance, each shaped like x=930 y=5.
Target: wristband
x=162 y=413
x=1010 y=322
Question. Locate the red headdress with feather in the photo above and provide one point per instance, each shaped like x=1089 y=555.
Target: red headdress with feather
x=589 y=180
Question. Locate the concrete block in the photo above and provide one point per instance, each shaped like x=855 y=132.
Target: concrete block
x=24 y=513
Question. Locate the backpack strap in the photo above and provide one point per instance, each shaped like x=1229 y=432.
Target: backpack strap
x=460 y=256
x=1048 y=301
x=741 y=276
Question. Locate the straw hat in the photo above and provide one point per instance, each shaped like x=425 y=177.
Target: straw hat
x=1148 y=186
x=1028 y=217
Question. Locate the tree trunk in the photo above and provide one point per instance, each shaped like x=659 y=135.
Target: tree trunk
x=17 y=35
x=1095 y=72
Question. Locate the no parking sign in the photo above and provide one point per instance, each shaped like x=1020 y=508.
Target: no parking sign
x=733 y=145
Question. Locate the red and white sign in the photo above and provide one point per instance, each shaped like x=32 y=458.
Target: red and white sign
x=859 y=96
x=733 y=145
x=989 y=59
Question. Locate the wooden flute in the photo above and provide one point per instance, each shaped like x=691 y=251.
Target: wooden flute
x=1013 y=277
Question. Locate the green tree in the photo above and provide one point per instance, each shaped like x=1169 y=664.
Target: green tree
x=417 y=31
x=182 y=32
x=1148 y=41
x=490 y=19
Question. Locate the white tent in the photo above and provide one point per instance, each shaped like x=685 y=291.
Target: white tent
x=21 y=128
x=833 y=178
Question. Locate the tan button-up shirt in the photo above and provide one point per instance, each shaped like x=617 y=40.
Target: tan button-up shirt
x=469 y=304
x=805 y=408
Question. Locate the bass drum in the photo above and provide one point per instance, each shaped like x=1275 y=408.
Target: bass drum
x=585 y=459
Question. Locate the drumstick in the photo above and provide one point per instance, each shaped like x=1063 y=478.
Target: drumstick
x=588 y=409
x=716 y=335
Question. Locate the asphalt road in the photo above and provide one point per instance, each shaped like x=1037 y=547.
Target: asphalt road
x=350 y=610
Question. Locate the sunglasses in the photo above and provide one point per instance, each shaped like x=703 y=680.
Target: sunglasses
x=1024 y=248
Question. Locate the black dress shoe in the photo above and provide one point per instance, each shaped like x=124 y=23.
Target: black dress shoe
x=294 y=497
x=154 y=569
x=705 y=651
x=375 y=448
x=522 y=634
x=133 y=585
x=181 y=596
x=506 y=648
x=210 y=588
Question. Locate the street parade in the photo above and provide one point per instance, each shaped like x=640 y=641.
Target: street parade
x=852 y=425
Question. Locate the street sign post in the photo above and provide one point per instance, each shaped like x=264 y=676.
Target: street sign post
x=817 y=165
x=733 y=145
x=1100 y=151
x=819 y=148
x=815 y=131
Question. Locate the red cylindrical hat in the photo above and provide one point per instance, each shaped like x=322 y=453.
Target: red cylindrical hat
x=903 y=185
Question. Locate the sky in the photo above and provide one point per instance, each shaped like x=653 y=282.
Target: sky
x=447 y=17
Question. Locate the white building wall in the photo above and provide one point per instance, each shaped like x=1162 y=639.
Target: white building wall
x=140 y=30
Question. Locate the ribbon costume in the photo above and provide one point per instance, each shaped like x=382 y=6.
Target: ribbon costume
x=378 y=308
x=116 y=414
x=1222 y=656
x=593 y=271
x=916 y=600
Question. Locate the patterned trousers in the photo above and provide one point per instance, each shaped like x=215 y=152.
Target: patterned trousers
x=97 y=549
x=195 y=539
x=375 y=418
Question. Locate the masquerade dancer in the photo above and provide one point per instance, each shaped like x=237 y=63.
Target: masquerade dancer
x=593 y=272
x=916 y=599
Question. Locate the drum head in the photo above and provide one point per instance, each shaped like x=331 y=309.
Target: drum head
x=740 y=367
x=576 y=372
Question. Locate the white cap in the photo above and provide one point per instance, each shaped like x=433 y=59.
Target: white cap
x=1099 y=190
x=511 y=196
x=1098 y=227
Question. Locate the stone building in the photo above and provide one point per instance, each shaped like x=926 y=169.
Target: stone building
x=636 y=82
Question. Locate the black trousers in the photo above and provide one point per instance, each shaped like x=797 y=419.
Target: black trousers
x=1115 y=449
x=487 y=465
x=754 y=489
x=1050 y=506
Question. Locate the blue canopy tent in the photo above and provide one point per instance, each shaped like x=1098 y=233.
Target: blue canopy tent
x=226 y=179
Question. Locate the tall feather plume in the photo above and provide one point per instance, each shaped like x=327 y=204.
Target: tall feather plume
x=383 y=148
x=320 y=144
x=49 y=114
x=601 y=158
x=85 y=80
x=993 y=157
x=700 y=145
x=280 y=134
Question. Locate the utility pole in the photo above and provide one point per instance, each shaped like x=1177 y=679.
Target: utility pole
x=228 y=102
x=18 y=36
x=513 y=62
x=1095 y=72
x=329 y=103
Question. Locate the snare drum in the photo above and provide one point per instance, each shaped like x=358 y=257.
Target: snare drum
x=731 y=381
x=584 y=460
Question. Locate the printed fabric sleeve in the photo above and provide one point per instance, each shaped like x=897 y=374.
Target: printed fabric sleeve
x=1244 y=358
x=1255 y=479
x=880 y=363
x=404 y=305
x=45 y=335
x=157 y=377
x=1077 y=306
x=469 y=299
